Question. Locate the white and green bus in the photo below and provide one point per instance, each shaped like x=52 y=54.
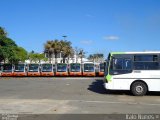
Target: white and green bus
x=138 y=72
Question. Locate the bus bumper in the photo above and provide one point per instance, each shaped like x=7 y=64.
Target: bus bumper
x=37 y=74
x=45 y=74
x=7 y=74
x=61 y=74
x=75 y=74
x=107 y=86
x=20 y=74
x=101 y=73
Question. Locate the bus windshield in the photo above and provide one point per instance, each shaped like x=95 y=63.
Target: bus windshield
x=33 y=67
x=88 y=67
x=46 y=67
x=7 y=68
x=19 y=68
x=1 y=67
x=75 y=67
x=101 y=67
x=61 y=67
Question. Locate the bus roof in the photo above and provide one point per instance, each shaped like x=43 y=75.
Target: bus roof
x=143 y=52
x=61 y=63
x=46 y=64
x=75 y=63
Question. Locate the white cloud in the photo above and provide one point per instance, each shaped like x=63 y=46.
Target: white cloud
x=111 y=37
x=86 y=42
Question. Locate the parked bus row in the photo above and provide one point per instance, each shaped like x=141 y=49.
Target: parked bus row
x=60 y=69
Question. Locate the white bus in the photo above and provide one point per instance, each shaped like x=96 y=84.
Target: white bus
x=138 y=72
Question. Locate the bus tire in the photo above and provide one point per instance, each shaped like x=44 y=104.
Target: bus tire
x=139 y=88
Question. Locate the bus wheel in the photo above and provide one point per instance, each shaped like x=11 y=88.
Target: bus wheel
x=139 y=89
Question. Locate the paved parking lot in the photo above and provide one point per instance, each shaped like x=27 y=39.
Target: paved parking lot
x=70 y=95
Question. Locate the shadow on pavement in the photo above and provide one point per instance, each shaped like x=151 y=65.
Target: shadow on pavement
x=153 y=94
x=97 y=87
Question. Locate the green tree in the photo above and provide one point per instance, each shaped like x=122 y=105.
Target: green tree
x=9 y=51
x=3 y=32
x=4 y=41
x=4 y=53
x=36 y=57
x=41 y=57
x=32 y=57
x=21 y=53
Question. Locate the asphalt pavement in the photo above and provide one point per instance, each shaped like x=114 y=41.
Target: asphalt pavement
x=51 y=95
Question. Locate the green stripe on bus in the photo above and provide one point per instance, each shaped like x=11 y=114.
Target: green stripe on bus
x=112 y=53
x=108 y=77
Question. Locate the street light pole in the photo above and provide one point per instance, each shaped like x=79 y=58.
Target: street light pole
x=64 y=37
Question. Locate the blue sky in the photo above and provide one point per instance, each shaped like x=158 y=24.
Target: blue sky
x=97 y=26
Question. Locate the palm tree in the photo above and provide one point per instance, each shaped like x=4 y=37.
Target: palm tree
x=101 y=57
x=76 y=52
x=91 y=57
x=66 y=49
x=57 y=48
x=96 y=57
x=81 y=54
x=52 y=47
x=49 y=50
x=68 y=52
x=62 y=49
